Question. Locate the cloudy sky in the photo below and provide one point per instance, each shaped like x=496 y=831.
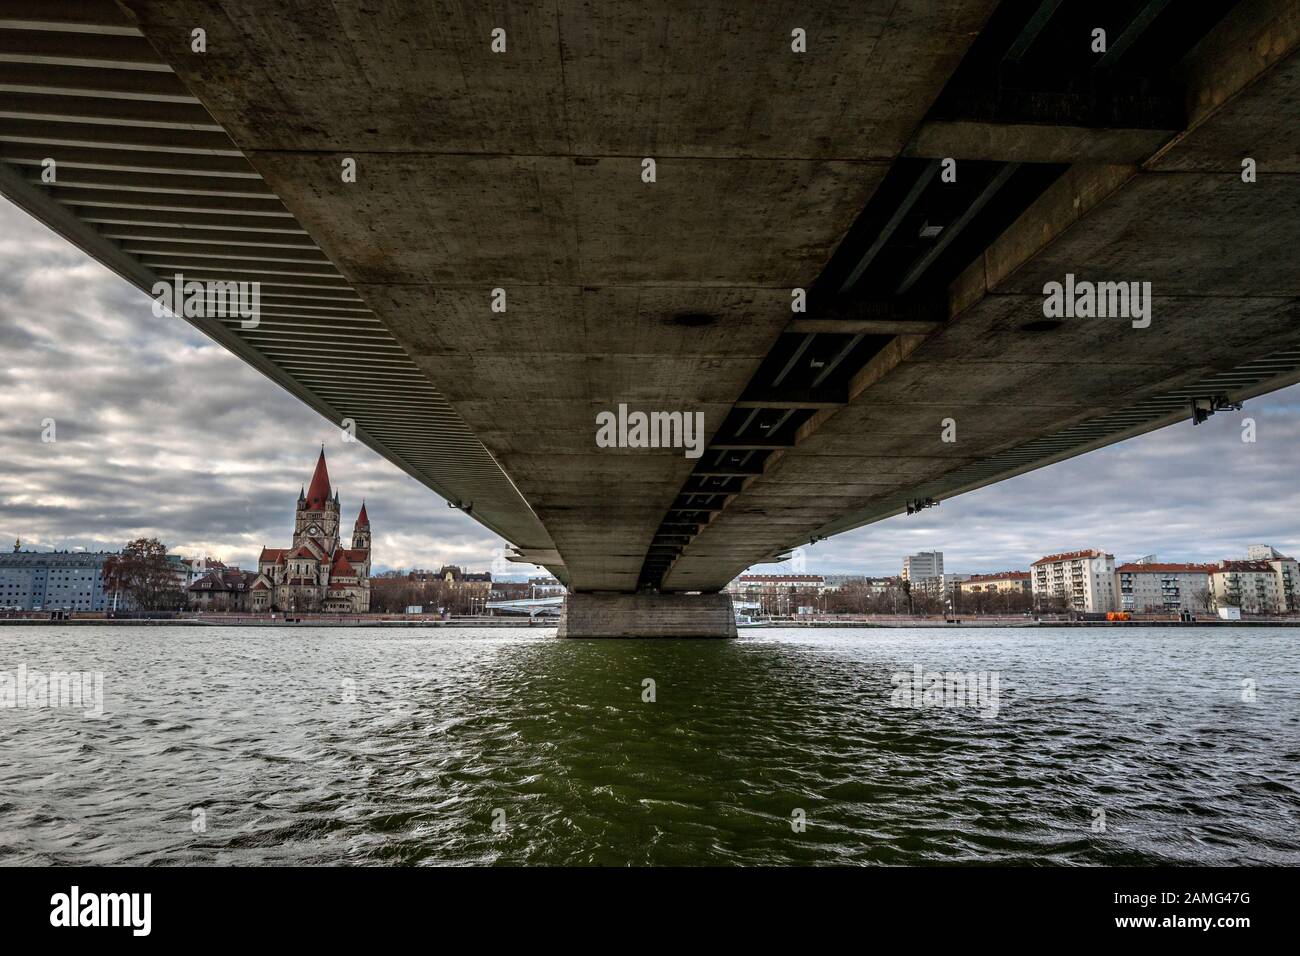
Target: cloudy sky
x=159 y=432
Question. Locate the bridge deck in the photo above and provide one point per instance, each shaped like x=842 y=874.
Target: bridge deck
x=775 y=170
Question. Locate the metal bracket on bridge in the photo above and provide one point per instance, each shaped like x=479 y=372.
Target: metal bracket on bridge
x=920 y=504
x=1203 y=408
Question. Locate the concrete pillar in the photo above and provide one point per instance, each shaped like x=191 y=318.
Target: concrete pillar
x=647 y=615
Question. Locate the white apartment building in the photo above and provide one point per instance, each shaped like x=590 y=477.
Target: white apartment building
x=1084 y=580
x=761 y=582
x=837 y=582
x=775 y=593
x=1287 y=570
x=1150 y=586
x=1253 y=586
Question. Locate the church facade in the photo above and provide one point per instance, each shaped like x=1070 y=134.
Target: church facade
x=319 y=572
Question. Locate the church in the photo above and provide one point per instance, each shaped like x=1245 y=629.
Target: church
x=318 y=573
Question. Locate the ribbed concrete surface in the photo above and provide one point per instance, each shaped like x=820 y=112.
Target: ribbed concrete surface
x=648 y=615
x=151 y=186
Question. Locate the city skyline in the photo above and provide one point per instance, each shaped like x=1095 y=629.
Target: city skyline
x=159 y=432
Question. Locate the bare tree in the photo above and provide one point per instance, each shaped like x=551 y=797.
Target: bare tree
x=143 y=573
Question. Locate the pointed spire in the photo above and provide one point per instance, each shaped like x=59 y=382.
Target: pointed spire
x=363 y=520
x=318 y=492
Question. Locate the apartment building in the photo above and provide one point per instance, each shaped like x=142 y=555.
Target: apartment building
x=776 y=593
x=945 y=584
x=1287 y=570
x=924 y=571
x=1253 y=586
x=1151 y=586
x=1003 y=582
x=53 y=580
x=859 y=582
x=750 y=584
x=1081 y=580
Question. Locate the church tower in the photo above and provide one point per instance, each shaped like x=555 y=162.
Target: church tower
x=361 y=530
x=319 y=573
x=318 y=512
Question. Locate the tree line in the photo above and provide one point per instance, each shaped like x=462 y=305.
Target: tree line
x=392 y=594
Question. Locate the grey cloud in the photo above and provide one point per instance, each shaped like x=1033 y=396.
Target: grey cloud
x=1186 y=493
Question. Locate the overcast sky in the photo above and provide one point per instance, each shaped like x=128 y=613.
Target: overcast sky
x=160 y=432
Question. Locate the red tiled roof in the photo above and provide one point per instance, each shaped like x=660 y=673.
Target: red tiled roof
x=1000 y=576
x=261 y=586
x=1245 y=566
x=356 y=555
x=1167 y=568
x=318 y=492
x=272 y=554
x=304 y=552
x=362 y=520
x=341 y=566
x=1070 y=556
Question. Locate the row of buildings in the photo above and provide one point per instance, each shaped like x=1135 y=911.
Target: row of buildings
x=1265 y=581
x=74 y=580
x=318 y=572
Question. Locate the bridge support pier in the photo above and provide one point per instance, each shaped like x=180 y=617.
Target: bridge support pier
x=647 y=615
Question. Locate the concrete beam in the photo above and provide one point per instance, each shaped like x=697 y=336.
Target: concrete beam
x=863 y=326
x=1034 y=142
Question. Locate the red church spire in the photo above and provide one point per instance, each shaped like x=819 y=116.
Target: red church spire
x=318 y=492
x=362 y=520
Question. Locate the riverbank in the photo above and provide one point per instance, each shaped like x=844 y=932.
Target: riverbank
x=259 y=622
x=967 y=623
x=319 y=622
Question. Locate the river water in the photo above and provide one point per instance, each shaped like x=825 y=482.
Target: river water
x=787 y=746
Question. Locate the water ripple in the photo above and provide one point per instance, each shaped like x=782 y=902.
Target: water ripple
x=257 y=746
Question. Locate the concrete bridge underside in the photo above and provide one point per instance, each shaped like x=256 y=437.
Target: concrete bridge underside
x=775 y=170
